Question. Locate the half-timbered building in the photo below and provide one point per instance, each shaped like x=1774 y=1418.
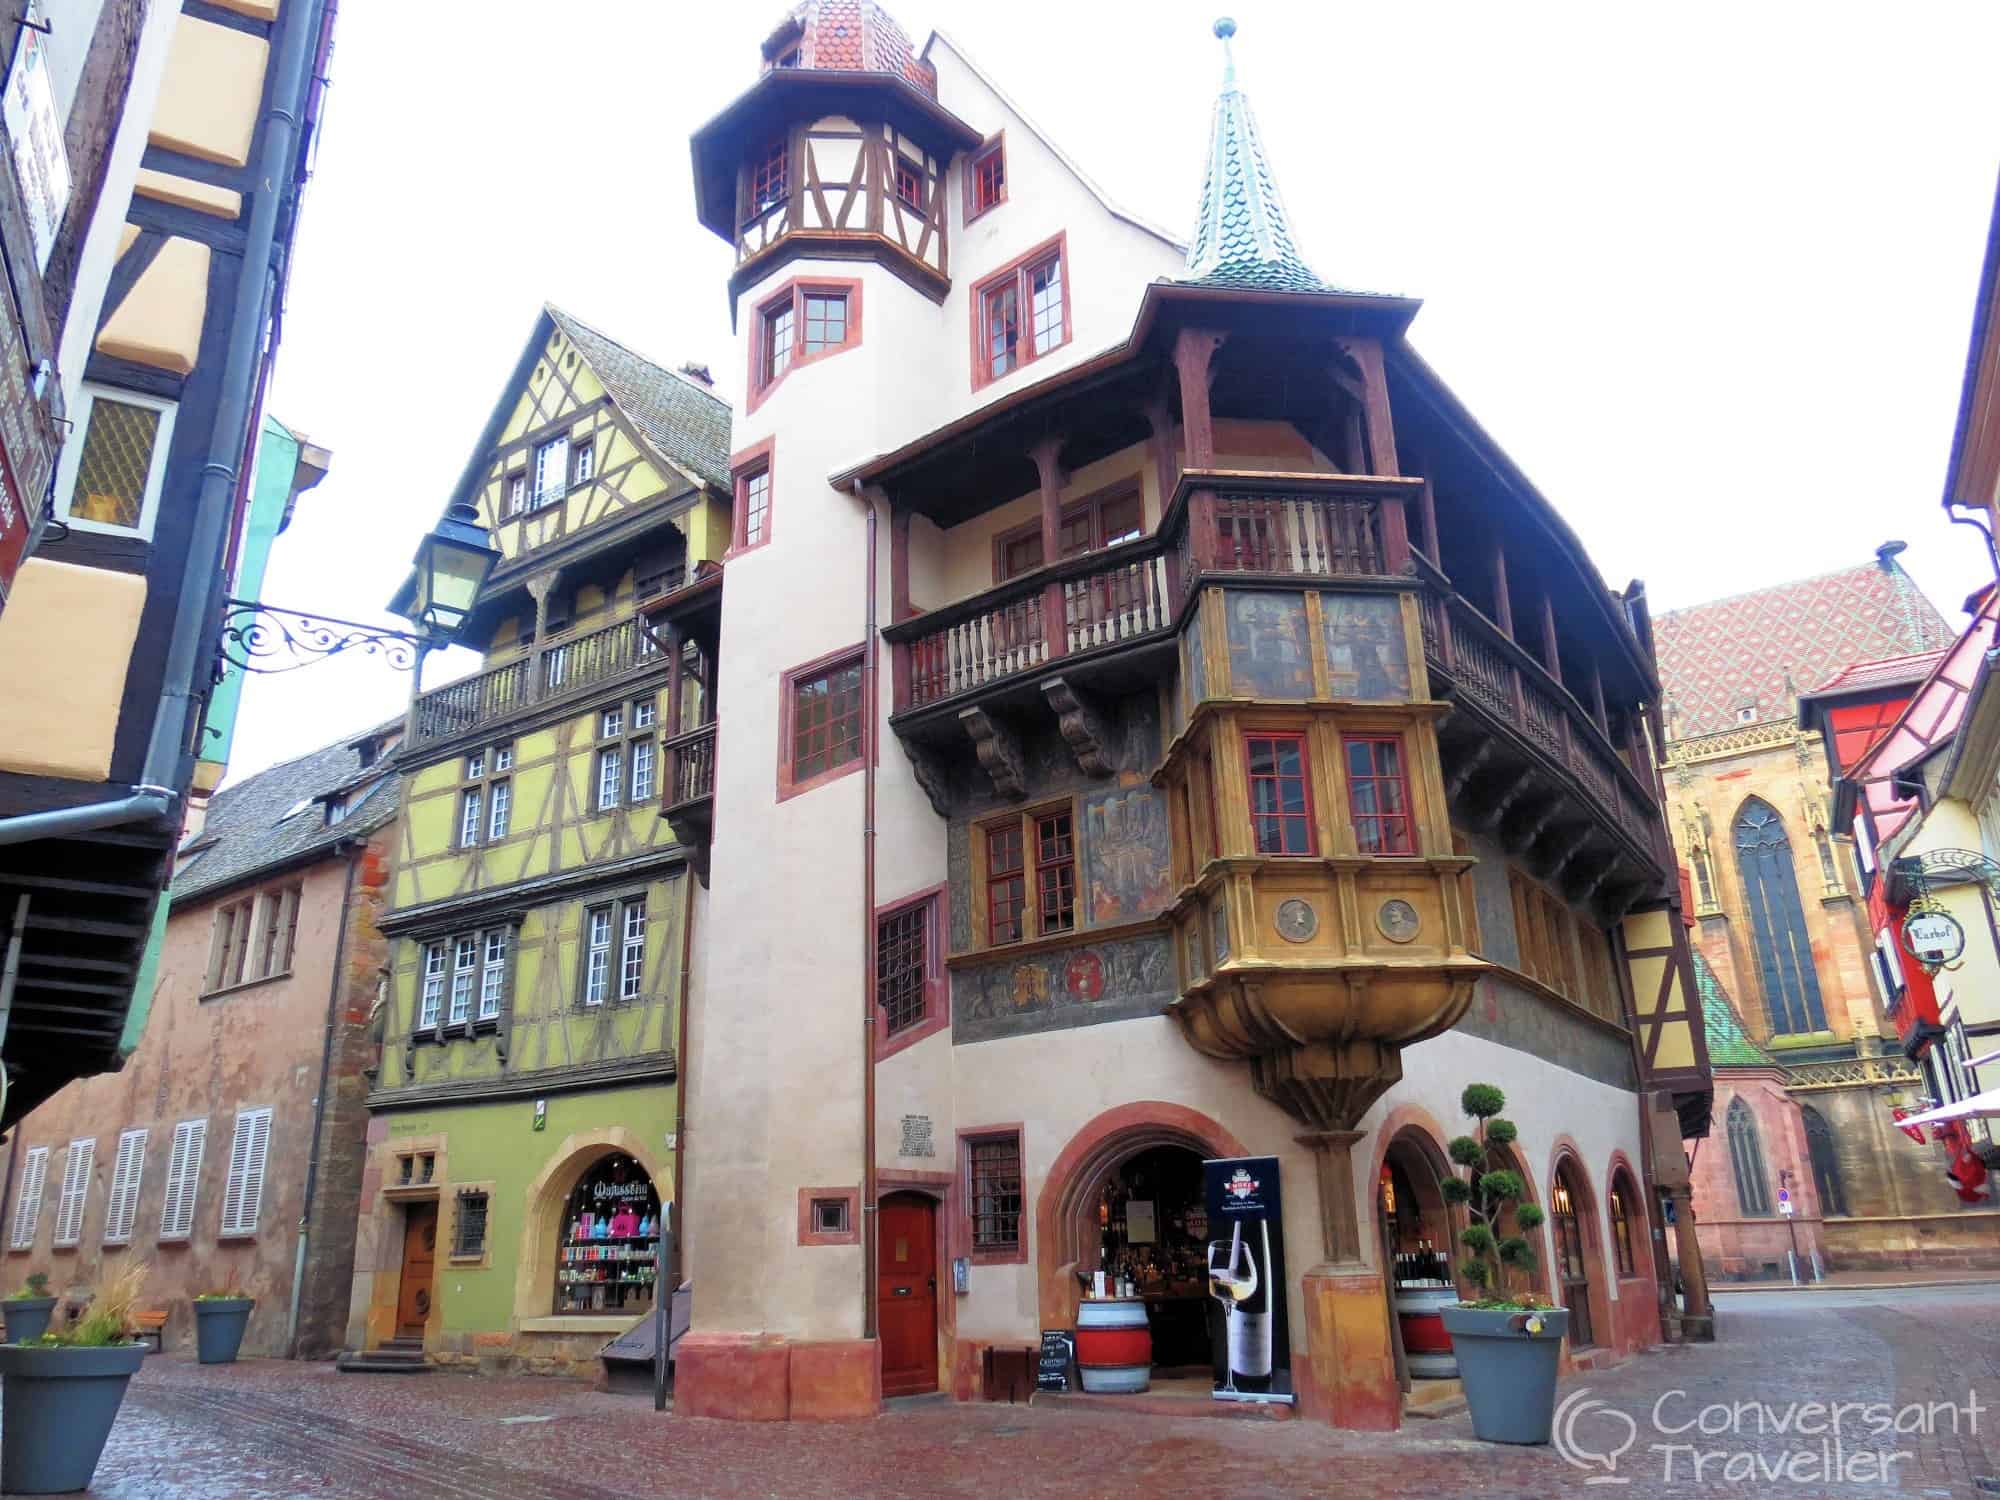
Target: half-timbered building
x=531 y=1029
x=1156 y=723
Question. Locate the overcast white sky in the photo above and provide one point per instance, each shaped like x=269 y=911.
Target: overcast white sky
x=1706 y=270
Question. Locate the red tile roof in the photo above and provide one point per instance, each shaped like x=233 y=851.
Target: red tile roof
x=1892 y=671
x=1718 y=657
x=858 y=35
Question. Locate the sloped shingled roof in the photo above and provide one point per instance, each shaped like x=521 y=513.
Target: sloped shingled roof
x=1735 y=652
x=685 y=422
x=250 y=832
x=1729 y=1045
x=857 y=35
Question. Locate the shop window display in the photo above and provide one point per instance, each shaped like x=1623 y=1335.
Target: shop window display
x=607 y=1261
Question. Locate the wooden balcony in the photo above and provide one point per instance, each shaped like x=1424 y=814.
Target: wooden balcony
x=687 y=797
x=557 y=671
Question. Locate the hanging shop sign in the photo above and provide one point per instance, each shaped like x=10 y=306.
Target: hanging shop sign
x=1933 y=937
x=1246 y=1274
x=35 y=130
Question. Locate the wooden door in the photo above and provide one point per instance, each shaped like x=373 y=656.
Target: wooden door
x=413 y=1299
x=907 y=1293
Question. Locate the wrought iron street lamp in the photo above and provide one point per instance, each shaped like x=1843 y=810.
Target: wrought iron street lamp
x=451 y=566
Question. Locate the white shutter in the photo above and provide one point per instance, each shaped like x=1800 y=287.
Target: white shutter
x=243 y=1195
x=183 y=1177
x=75 y=1191
x=28 y=1211
x=125 y=1175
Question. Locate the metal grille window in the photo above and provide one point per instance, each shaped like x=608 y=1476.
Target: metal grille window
x=826 y=721
x=118 y=469
x=465 y=965
x=75 y=1191
x=632 y=952
x=432 y=1003
x=1055 y=872
x=493 y=975
x=1771 y=893
x=1280 y=801
x=28 y=1208
x=994 y=1181
x=597 y=955
x=126 y=1172
x=1746 y=1160
x=902 y=965
x=1378 y=795
x=243 y=1193
x=183 y=1177
x=469 y=1228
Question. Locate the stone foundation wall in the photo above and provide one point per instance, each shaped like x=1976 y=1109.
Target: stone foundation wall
x=1966 y=1241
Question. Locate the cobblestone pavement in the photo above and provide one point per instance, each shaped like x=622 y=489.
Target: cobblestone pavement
x=264 y=1430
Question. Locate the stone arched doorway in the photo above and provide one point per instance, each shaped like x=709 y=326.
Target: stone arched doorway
x=1579 y=1261
x=1419 y=1241
x=550 y=1203
x=1067 y=1230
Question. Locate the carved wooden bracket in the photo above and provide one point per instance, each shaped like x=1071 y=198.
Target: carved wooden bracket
x=1466 y=769
x=1496 y=813
x=929 y=771
x=999 y=750
x=1084 y=725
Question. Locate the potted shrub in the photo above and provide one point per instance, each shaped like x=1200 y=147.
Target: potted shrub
x=60 y=1393
x=1508 y=1345
x=219 y=1321
x=27 y=1311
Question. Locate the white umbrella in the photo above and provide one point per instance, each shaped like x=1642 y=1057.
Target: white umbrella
x=1986 y=1105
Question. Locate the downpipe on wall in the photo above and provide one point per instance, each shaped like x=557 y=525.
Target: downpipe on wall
x=870 y=714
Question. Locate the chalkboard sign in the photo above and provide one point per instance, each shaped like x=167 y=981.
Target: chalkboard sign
x=1058 y=1352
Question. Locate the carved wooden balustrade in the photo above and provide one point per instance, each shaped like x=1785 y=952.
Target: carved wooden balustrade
x=556 y=671
x=690 y=769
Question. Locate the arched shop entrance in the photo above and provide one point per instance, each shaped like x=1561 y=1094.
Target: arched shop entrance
x=1572 y=1221
x=606 y=1252
x=1418 y=1233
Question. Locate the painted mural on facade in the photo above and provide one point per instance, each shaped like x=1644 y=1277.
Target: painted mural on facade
x=1270 y=646
x=1029 y=992
x=1366 y=657
x=1197 y=664
x=1127 y=859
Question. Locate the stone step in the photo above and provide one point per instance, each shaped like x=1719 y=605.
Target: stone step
x=383 y=1361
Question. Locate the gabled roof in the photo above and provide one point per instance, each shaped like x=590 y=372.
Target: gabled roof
x=1759 y=648
x=686 y=424
x=1729 y=1044
x=1868 y=676
x=248 y=830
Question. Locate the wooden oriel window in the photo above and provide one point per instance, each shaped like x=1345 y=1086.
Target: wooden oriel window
x=1281 y=820
x=993 y=1193
x=986 y=180
x=1378 y=794
x=1029 y=869
x=769 y=180
x=463 y=981
x=1022 y=312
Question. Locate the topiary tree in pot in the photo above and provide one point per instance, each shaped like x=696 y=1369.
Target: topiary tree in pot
x=1508 y=1345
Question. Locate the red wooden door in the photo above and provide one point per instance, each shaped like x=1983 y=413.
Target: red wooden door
x=907 y=1292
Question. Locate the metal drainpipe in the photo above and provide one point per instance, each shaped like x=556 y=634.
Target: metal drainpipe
x=145 y=802
x=869 y=717
x=357 y=856
x=680 y=1225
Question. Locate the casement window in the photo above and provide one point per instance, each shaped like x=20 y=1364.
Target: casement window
x=628 y=738
x=597 y=955
x=183 y=1178
x=643 y=755
x=799 y=323
x=486 y=801
x=493 y=974
x=75 y=1191
x=243 y=1193
x=825 y=321
x=610 y=776
x=28 y=1207
x=1543 y=933
x=909 y=183
x=779 y=322
x=584 y=465
x=468 y=1234
x=768 y=184
x=431 y=1006
x=471 y=802
x=1281 y=820
x=501 y=796
x=1030 y=872
x=632 y=950
x=514 y=495
x=909 y=968
x=986 y=180
x=993 y=1195
x=126 y=1174
x=614 y=951
x=252 y=938
x=1023 y=313
x=464 y=971
x=1378 y=794
x=753 y=504
x=821 y=733
x=1103 y=520
x=551 y=471
x=111 y=470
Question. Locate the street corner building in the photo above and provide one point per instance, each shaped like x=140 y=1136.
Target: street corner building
x=156 y=156
x=523 y=1122
x=1143 y=720
x=226 y=1154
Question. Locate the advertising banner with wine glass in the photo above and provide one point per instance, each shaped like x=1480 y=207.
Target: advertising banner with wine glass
x=1246 y=1274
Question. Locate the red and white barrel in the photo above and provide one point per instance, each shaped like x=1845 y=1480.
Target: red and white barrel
x=1114 y=1345
x=1419 y=1311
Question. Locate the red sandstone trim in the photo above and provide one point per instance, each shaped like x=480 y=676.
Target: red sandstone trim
x=937 y=991
x=850 y=1195
x=788 y=788
x=756 y=390
x=741 y=465
x=962 y=1225
x=1025 y=354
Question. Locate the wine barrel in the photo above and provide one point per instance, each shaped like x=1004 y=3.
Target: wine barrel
x=1114 y=1346
x=1426 y=1345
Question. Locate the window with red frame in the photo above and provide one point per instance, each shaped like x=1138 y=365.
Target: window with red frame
x=993 y=1197
x=903 y=965
x=909 y=183
x=768 y=179
x=780 y=326
x=1378 y=794
x=1023 y=315
x=1006 y=883
x=1280 y=805
x=825 y=321
x=1055 y=872
x=1101 y=521
x=803 y=322
x=753 y=506
x=988 y=180
x=826 y=720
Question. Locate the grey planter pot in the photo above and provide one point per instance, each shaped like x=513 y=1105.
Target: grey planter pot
x=27 y=1317
x=57 y=1406
x=1509 y=1373
x=218 y=1328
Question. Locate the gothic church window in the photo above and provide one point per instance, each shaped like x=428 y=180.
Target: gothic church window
x=1746 y=1161
x=1771 y=895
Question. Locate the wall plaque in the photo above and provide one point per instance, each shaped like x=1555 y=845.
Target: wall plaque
x=916 y=1137
x=1398 y=921
x=1297 y=921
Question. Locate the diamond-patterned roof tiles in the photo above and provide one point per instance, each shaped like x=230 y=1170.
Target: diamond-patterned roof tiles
x=1729 y=1045
x=1736 y=653
x=858 y=34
